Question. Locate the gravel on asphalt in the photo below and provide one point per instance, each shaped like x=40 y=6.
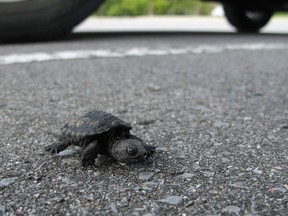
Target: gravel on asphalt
x=219 y=122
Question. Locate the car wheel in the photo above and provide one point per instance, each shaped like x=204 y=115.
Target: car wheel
x=24 y=20
x=245 y=19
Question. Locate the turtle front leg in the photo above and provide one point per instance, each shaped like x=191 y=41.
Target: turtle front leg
x=57 y=147
x=90 y=153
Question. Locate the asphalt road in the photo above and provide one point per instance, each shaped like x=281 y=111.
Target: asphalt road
x=214 y=104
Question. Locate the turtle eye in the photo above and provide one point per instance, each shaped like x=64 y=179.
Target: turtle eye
x=132 y=150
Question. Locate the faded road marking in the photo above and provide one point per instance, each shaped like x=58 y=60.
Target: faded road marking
x=136 y=51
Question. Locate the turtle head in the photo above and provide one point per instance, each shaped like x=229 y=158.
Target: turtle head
x=132 y=150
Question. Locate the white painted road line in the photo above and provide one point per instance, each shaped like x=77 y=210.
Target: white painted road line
x=136 y=51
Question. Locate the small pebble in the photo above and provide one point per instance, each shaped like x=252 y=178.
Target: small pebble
x=217 y=144
x=145 y=176
x=280 y=189
x=68 y=152
x=231 y=209
x=7 y=181
x=247 y=118
x=148 y=214
x=114 y=208
x=151 y=183
x=172 y=200
x=208 y=174
x=220 y=124
x=147 y=122
x=187 y=175
x=278 y=167
x=161 y=149
x=2 y=209
x=257 y=171
x=19 y=213
x=154 y=88
x=225 y=160
x=36 y=195
x=239 y=185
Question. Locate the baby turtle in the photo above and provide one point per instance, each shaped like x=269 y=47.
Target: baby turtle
x=99 y=132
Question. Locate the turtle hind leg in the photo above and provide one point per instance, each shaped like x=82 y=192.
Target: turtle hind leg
x=90 y=153
x=57 y=147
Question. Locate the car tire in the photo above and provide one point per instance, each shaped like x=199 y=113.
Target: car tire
x=25 y=20
x=246 y=19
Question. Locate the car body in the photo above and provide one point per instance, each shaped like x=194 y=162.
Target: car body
x=24 y=20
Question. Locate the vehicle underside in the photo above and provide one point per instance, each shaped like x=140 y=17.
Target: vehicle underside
x=24 y=20
x=251 y=16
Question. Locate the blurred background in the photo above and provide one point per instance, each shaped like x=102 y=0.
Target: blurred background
x=156 y=7
x=188 y=15
x=28 y=20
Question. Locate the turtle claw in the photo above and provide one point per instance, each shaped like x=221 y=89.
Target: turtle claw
x=150 y=149
x=88 y=163
x=106 y=160
x=56 y=147
x=149 y=159
x=52 y=149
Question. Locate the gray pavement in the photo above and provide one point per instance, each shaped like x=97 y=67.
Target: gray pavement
x=215 y=105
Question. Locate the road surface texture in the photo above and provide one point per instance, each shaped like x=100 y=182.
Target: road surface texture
x=214 y=105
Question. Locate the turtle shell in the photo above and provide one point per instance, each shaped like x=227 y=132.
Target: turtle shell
x=93 y=123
